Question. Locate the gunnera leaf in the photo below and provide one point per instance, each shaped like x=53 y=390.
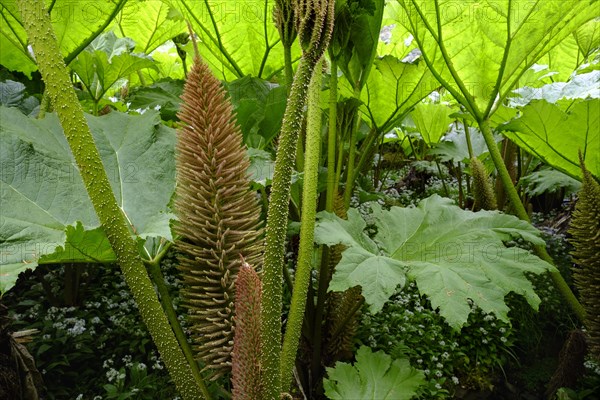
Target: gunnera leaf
x=247 y=344
x=219 y=217
x=585 y=230
x=373 y=376
x=456 y=257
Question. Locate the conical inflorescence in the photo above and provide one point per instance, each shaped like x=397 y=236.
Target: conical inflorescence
x=219 y=217
x=485 y=199
x=585 y=230
x=247 y=346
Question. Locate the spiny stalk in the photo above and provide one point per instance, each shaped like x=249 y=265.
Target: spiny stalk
x=314 y=26
x=36 y=22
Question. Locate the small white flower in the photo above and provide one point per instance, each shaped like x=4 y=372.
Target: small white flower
x=111 y=374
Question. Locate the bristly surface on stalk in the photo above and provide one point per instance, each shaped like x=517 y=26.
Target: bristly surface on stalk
x=219 y=217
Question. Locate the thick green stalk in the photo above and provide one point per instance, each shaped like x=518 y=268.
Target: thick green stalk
x=515 y=201
x=167 y=304
x=468 y=137
x=350 y=166
x=62 y=96
x=289 y=70
x=332 y=134
x=365 y=151
x=276 y=230
x=307 y=230
x=44 y=105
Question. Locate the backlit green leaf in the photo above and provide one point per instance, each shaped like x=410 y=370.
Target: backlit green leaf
x=149 y=23
x=432 y=121
x=556 y=137
x=479 y=50
x=98 y=74
x=238 y=37
x=392 y=89
x=74 y=23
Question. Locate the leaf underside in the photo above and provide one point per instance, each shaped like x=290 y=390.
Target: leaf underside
x=46 y=214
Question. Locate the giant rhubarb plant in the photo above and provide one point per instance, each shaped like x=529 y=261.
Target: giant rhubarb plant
x=219 y=216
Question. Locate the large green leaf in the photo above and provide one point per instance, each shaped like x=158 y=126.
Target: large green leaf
x=455 y=256
x=394 y=38
x=75 y=24
x=237 y=38
x=479 y=50
x=259 y=107
x=81 y=246
x=164 y=95
x=556 y=136
x=392 y=89
x=373 y=376
x=573 y=51
x=12 y=94
x=548 y=181
x=43 y=196
x=432 y=121
x=150 y=23
x=107 y=60
x=169 y=66
x=355 y=38
x=454 y=145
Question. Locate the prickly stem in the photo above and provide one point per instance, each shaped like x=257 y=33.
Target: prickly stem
x=307 y=228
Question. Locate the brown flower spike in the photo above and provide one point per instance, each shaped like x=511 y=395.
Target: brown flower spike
x=246 y=377
x=585 y=231
x=219 y=217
